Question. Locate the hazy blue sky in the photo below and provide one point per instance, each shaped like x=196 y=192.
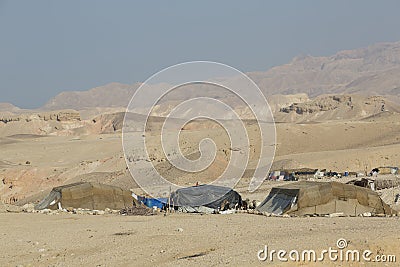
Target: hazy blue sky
x=51 y=46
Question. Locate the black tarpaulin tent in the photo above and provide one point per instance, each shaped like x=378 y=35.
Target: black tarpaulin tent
x=210 y=196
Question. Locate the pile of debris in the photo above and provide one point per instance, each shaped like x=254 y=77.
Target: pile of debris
x=30 y=208
x=136 y=211
x=386 y=183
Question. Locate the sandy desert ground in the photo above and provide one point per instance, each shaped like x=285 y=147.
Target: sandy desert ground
x=184 y=240
x=40 y=151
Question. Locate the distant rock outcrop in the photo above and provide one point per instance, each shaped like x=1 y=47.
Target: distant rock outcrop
x=336 y=107
x=44 y=116
x=319 y=104
x=41 y=123
x=110 y=123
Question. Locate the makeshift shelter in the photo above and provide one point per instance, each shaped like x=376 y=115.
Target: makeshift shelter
x=281 y=176
x=294 y=174
x=83 y=195
x=388 y=170
x=322 y=198
x=159 y=203
x=210 y=196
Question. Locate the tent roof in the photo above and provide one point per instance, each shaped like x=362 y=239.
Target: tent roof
x=204 y=195
x=317 y=197
x=87 y=195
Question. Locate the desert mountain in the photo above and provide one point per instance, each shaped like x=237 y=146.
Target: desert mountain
x=109 y=95
x=7 y=107
x=374 y=70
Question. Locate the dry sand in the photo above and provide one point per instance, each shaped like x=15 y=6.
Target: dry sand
x=33 y=161
x=182 y=240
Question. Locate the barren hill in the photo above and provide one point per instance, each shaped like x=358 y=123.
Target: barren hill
x=109 y=95
x=7 y=107
x=372 y=70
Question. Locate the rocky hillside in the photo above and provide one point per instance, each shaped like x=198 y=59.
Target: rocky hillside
x=373 y=70
x=110 y=95
x=7 y=108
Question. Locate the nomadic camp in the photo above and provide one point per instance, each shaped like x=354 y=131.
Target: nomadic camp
x=94 y=196
x=194 y=199
x=322 y=198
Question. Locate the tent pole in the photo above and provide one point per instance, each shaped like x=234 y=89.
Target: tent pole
x=169 y=200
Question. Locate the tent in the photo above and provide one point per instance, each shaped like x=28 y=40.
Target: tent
x=210 y=196
x=388 y=170
x=281 y=176
x=321 y=198
x=84 y=195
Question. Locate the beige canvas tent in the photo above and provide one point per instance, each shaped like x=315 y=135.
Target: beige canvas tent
x=83 y=195
x=321 y=198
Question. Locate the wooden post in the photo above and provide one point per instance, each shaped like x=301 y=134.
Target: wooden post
x=169 y=200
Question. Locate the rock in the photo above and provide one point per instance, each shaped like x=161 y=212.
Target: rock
x=45 y=211
x=99 y=212
x=28 y=207
x=338 y=214
x=13 y=208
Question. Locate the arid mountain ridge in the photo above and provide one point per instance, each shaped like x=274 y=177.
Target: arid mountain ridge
x=374 y=70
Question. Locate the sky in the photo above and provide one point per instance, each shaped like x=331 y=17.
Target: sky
x=47 y=47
